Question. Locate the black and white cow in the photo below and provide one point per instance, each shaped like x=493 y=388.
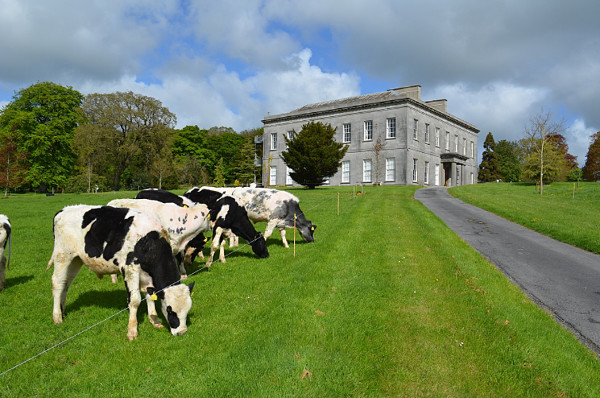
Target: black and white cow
x=276 y=208
x=196 y=245
x=183 y=224
x=227 y=216
x=108 y=240
x=5 y=239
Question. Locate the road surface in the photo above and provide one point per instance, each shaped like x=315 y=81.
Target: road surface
x=560 y=278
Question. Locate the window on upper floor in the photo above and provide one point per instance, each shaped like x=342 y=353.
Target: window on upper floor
x=273 y=141
x=347 y=133
x=427 y=133
x=390 y=128
x=415 y=129
x=368 y=130
x=447 y=140
x=437 y=137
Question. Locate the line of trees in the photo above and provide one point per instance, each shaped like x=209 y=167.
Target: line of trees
x=541 y=156
x=54 y=138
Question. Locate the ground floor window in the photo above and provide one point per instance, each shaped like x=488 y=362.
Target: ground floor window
x=346 y=171
x=426 y=173
x=288 y=177
x=367 y=170
x=390 y=169
x=414 y=170
x=273 y=175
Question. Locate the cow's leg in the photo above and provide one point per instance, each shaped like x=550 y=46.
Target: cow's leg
x=114 y=278
x=65 y=270
x=152 y=314
x=214 y=245
x=222 y=252
x=283 y=239
x=179 y=257
x=132 y=283
x=2 y=272
x=269 y=230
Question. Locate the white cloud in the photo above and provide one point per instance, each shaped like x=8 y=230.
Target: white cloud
x=578 y=137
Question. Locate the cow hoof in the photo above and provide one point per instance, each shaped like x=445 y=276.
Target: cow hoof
x=57 y=319
x=184 y=277
x=131 y=337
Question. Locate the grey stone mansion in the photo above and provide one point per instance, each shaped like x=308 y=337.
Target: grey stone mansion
x=419 y=141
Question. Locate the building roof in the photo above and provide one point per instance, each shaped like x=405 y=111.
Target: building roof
x=399 y=95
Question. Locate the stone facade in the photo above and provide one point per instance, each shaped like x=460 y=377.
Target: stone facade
x=420 y=143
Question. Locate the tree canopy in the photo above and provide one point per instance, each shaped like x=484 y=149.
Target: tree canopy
x=508 y=160
x=125 y=132
x=41 y=121
x=313 y=155
x=591 y=169
x=489 y=168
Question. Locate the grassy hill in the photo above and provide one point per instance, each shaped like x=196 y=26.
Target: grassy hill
x=566 y=212
x=386 y=302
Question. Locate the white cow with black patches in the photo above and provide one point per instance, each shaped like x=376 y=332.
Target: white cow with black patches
x=109 y=240
x=182 y=224
x=5 y=240
x=277 y=209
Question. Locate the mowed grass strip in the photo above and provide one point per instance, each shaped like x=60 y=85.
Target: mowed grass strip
x=567 y=212
x=386 y=302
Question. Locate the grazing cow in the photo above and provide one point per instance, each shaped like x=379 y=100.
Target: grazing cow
x=109 y=240
x=277 y=209
x=183 y=224
x=5 y=238
x=196 y=245
x=228 y=215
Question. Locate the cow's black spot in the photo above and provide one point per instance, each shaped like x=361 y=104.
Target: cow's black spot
x=172 y=318
x=7 y=229
x=153 y=253
x=108 y=231
x=160 y=195
x=128 y=292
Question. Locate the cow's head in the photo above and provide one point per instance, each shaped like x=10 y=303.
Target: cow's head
x=259 y=246
x=307 y=230
x=176 y=303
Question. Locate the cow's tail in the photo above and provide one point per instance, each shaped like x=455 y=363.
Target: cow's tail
x=9 y=250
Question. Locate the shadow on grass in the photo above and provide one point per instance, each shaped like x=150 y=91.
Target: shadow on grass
x=115 y=299
x=18 y=280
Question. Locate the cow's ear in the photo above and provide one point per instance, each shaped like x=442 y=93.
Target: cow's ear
x=191 y=287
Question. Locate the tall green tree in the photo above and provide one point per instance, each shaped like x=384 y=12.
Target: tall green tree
x=591 y=169
x=192 y=157
x=42 y=119
x=226 y=145
x=313 y=155
x=245 y=167
x=129 y=132
x=489 y=168
x=508 y=160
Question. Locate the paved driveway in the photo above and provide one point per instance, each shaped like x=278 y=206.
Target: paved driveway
x=557 y=276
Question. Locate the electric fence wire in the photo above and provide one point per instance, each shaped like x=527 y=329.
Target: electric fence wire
x=125 y=309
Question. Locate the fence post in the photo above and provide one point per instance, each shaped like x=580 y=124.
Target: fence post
x=294 y=235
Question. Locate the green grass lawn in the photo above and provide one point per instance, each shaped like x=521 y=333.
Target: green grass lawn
x=565 y=212
x=386 y=302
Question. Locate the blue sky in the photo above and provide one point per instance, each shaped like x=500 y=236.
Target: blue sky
x=230 y=63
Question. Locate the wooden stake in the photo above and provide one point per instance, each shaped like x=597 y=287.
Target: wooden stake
x=338 y=204
x=294 y=235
